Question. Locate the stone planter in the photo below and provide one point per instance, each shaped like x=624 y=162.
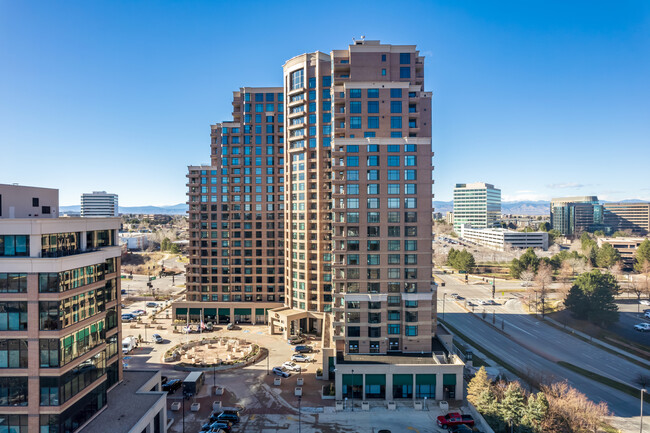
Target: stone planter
x=391 y=405
x=300 y=381
x=216 y=405
x=277 y=381
x=176 y=406
x=339 y=405
x=195 y=407
x=417 y=405
x=319 y=377
x=326 y=397
x=297 y=391
x=218 y=390
x=365 y=405
x=444 y=406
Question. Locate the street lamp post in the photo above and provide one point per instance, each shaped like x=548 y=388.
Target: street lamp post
x=214 y=375
x=352 y=401
x=641 y=422
x=444 y=296
x=299 y=415
x=536 y=303
x=183 y=409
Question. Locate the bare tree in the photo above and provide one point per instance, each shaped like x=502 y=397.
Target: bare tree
x=645 y=270
x=544 y=278
x=616 y=270
x=570 y=410
x=567 y=271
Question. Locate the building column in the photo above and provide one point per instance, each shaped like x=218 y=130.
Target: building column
x=439 y=379
x=389 y=386
x=84 y=241
x=338 y=384
x=415 y=380
x=363 y=386
x=34 y=246
x=459 y=386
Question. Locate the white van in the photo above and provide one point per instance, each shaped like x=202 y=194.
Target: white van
x=128 y=344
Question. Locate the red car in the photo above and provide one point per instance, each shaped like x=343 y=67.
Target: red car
x=455 y=418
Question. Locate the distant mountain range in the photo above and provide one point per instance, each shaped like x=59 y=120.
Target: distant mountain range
x=539 y=207
x=177 y=209
x=507 y=207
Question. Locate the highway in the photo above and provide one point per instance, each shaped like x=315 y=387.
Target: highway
x=533 y=347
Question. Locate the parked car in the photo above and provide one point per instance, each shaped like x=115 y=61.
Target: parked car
x=291 y=366
x=230 y=327
x=209 y=327
x=303 y=349
x=454 y=295
x=128 y=317
x=453 y=419
x=128 y=344
x=642 y=327
x=223 y=416
x=157 y=338
x=644 y=302
x=297 y=357
x=647 y=314
x=526 y=284
x=172 y=385
x=295 y=339
x=138 y=312
x=278 y=371
x=123 y=291
x=216 y=425
x=151 y=304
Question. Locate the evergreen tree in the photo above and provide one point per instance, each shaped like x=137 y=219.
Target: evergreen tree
x=642 y=255
x=607 y=256
x=528 y=260
x=535 y=412
x=511 y=406
x=477 y=386
x=592 y=297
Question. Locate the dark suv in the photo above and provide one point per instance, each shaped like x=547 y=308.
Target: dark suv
x=303 y=349
x=172 y=385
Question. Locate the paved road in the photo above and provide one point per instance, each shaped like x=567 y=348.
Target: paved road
x=534 y=347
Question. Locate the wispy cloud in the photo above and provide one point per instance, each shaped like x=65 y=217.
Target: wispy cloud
x=565 y=185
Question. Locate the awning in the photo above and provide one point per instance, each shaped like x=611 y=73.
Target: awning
x=259 y=312
x=449 y=379
x=242 y=311
x=375 y=379
x=195 y=311
x=402 y=379
x=348 y=378
x=210 y=311
x=181 y=311
x=425 y=379
x=224 y=311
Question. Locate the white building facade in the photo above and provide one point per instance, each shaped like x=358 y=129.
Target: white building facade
x=99 y=204
x=478 y=204
x=498 y=239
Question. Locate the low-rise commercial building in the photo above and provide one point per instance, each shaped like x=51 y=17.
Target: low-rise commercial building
x=625 y=246
x=500 y=239
x=135 y=241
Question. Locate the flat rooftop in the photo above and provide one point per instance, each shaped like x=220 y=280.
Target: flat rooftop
x=398 y=358
x=127 y=404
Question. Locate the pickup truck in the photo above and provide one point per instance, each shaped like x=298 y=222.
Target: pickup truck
x=454 y=418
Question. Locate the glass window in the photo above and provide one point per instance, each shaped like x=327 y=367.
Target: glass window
x=410 y=174
x=410 y=188
x=404 y=58
x=373 y=259
x=411 y=245
x=352 y=188
x=396 y=93
x=394 y=231
x=352 y=161
x=355 y=106
x=13 y=316
x=353 y=203
x=372 y=175
x=393 y=174
x=373 y=106
x=373 y=93
x=312 y=82
x=393 y=161
x=355 y=122
x=411 y=217
x=393 y=203
x=393 y=245
x=372 y=160
x=373 y=188
x=355 y=93
x=393 y=217
x=393 y=188
x=393 y=329
x=352 y=175
x=411 y=330
x=373 y=122
x=395 y=106
x=410 y=203
x=410 y=160
x=405 y=72
x=373 y=203
x=14 y=283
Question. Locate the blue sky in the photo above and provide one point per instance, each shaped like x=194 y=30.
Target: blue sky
x=541 y=98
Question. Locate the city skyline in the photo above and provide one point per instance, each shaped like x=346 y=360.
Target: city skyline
x=545 y=89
